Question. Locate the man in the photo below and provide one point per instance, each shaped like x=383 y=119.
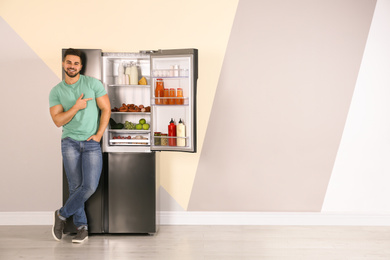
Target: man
x=74 y=104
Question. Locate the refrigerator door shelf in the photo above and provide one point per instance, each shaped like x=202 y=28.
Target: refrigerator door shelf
x=169 y=73
x=185 y=101
x=130 y=86
x=160 y=140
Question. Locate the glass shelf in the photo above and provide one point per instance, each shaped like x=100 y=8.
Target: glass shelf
x=130 y=113
x=129 y=131
x=133 y=86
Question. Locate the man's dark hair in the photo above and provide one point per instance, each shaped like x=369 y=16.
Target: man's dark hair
x=74 y=52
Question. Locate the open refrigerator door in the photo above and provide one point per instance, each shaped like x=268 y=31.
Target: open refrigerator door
x=174 y=75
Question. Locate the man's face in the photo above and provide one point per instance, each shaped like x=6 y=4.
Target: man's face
x=72 y=65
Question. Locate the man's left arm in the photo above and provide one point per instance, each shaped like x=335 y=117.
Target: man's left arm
x=103 y=103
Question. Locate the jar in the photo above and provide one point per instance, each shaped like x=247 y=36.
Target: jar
x=164 y=139
x=180 y=99
x=166 y=95
x=172 y=95
x=159 y=92
x=157 y=138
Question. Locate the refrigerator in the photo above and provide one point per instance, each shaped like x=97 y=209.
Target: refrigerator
x=153 y=109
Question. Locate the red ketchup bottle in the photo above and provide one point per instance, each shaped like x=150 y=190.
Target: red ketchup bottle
x=172 y=133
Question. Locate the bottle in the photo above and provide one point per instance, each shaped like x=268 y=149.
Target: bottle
x=121 y=72
x=172 y=133
x=172 y=95
x=180 y=99
x=127 y=75
x=127 y=70
x=172 y=71
x=176 y=70
x=181 y=132
x=159 y=92
x=133 y=74
x=166 y=95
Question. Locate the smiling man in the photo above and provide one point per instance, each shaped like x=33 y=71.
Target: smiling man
x=80 y=105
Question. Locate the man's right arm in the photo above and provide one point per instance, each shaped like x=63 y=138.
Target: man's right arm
x=61 y=118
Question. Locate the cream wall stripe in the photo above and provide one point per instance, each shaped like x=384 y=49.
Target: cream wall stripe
x=47 y=26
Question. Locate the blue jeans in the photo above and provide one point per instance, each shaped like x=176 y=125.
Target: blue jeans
x=83 y=164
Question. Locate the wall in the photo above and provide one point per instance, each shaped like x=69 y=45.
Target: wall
x=292 y=100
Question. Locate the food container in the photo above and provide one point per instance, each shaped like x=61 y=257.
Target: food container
x=157 y=138
x=164 y=139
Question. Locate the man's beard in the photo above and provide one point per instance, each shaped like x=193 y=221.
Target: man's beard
x=72 y=76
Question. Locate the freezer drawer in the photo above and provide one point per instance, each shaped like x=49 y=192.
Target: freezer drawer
x=131 y=193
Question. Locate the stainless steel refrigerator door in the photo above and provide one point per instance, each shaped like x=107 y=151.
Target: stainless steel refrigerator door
x=131 y=193
x=178 y=69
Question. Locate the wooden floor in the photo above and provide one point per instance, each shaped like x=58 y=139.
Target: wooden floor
x=204 y=242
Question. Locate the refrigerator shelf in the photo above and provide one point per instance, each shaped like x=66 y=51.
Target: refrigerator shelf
x=171 y=137
x=128 y=131
x=185 y=101
x=170 y=77
x=167 y=147
x=162 y=105
x=129 y=141
x=185 y=98
x=133 y=86
x=133 y=144
x=138 y=113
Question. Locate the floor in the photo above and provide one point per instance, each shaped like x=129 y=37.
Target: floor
x=204 y=242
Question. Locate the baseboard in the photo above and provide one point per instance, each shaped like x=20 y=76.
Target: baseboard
x=227 y=218
x=272 y=218
x=26 y=218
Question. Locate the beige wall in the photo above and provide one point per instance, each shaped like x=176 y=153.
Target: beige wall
x=30 y=154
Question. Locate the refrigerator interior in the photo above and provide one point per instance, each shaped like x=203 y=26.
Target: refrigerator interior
x=176 y=73
x=132 y=95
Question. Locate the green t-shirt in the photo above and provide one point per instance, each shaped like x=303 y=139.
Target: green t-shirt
x=86 y=121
